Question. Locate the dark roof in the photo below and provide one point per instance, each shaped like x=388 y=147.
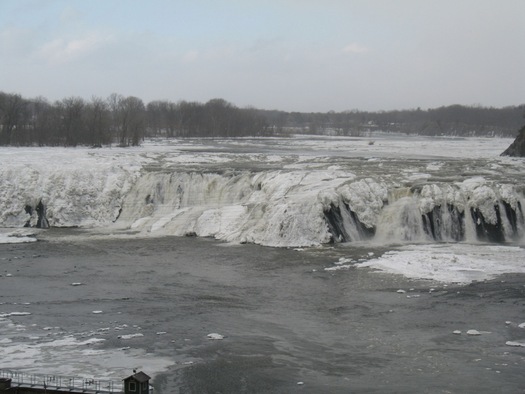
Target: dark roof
x=139 y=377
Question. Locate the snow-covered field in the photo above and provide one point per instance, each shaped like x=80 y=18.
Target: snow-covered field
x=277 y=192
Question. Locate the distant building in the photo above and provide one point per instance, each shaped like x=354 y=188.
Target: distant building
x=137 y=384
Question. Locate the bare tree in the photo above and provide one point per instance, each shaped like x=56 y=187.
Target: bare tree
x=129 y=119
x=72 y=120
x=98 y=122
x=13 y=112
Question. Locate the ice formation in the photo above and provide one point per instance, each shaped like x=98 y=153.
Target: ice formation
x=278 y=199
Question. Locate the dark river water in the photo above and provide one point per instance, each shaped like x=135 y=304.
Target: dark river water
x=288 y=325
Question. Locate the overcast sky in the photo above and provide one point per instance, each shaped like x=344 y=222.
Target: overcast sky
x=294 y=55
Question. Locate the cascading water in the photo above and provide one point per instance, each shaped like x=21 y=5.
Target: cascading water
x=410 y=217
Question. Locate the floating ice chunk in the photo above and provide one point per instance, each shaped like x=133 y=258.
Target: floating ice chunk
x=453 y=263
x=338 y=267
x=15 y=314
x=15 y=238
x=521 y=325
x=130 y=336
x=508 y=322
x=401 y=291
x=457 y=332
x=473 y=332
x=91 y=341
x=97 y=312
x=6 y=340
x=161 y=333
x=215 y=336
x=300 y=383
x=77 y=284
x=515 y=343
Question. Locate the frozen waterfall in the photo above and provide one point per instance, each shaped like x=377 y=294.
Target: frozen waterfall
x=288 y=201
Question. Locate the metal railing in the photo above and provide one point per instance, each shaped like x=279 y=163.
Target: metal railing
x=83 y=385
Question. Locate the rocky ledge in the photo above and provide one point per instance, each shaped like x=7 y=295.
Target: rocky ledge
x=517 y=148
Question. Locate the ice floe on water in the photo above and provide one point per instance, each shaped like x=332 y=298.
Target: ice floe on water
x=450 y=263
x=515 y=343
x=72 y=354
x=130 y=336
x=15 y=237
x=215 y=336
x=14 y=314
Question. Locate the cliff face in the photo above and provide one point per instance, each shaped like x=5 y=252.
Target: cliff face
x=517 y=148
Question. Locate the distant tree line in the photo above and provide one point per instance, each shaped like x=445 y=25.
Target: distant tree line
x=120 y=120
x=126 y=121
x=453 y=120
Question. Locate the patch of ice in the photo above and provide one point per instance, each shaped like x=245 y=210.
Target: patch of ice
x=16 y=237
x=515 y=343
x=69 y=356
x=473 y=332
x=450 y=263
x=215 y=336
x=15 y=314
x=130 y=336
x=338 y=267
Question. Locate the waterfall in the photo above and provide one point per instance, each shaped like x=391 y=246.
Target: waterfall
x=442 y=213
x=300 y=207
